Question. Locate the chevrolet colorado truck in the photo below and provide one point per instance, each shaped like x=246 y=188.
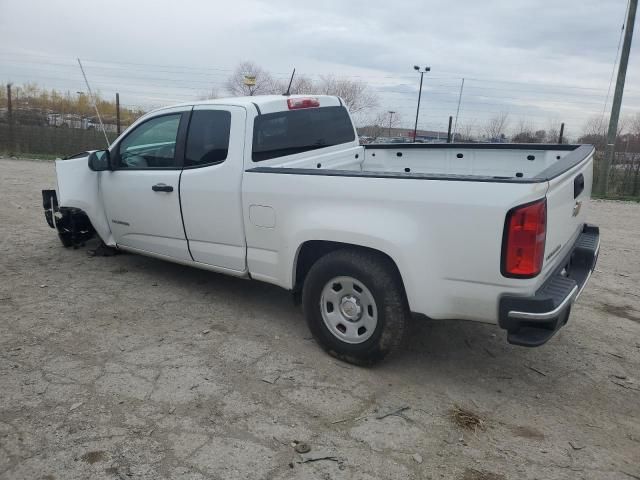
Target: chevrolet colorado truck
x=278 y=189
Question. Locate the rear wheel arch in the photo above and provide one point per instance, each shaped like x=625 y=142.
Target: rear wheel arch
x=311 y=251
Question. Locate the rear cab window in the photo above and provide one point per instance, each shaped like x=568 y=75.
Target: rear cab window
x=208 y=138
x=295 y=131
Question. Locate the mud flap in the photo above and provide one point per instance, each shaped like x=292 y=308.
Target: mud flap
x=73 y=226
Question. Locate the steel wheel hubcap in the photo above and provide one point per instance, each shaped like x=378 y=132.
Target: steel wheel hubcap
x=348 y=309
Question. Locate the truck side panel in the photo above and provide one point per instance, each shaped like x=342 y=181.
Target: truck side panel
x=444 y=236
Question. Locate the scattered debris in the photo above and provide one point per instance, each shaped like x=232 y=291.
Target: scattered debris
x=417 y=457
x=103 y=250
x=347 y=419
x=527 y=432
x=466 y=418
x=75 y=405
x=317 y=459
x=93 y=457
x=172 y=409
x=397 y=412
x=43 y=286
x=302 y=447
x=615 y=355
x=632 y=475
x=271 y=380
x=473 y=474
x=489 y=352
x=628 y=384
x=576 y=446
x=536 y=370
x=204 y=332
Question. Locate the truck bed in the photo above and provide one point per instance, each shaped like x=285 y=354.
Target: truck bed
x=480 y=162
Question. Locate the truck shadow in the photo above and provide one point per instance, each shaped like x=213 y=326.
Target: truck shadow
x=444 y=345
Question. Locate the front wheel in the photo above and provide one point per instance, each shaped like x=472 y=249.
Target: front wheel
x=355 y=305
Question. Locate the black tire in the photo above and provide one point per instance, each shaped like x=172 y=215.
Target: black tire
x=379 y=275
x=65 y=239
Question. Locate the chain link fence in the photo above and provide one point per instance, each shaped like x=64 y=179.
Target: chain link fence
x=37 y=138
x=25 y=140
x=624 y=175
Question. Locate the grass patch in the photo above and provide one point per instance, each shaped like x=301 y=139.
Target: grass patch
x=466 y=419
x=621 y=198
x=31 y=156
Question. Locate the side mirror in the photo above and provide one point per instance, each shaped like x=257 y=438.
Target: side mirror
x=99 y=160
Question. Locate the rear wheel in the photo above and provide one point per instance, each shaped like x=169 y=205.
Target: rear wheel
x=355 y=306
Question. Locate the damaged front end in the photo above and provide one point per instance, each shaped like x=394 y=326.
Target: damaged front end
x=73 y=225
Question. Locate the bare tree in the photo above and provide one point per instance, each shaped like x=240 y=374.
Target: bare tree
x=523 y=133
x=209 y=95
x=496 y=126
x=594 y=132
x=300 y=85
x=250 y=79
x=381 y=124
x=553 y=131
x=634 y=126
x=464 y=133
x=357 y=95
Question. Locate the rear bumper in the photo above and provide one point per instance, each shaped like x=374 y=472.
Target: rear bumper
x=532 y=321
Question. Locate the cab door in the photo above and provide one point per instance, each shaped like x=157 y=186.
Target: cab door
x=141 y=194
x=211 y=186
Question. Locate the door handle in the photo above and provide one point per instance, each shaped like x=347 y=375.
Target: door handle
x=161 y=187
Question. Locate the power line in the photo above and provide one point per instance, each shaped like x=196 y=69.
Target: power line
x=181 y=68
x=615 y=62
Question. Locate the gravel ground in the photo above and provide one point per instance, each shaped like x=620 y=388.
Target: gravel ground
x=128 y=367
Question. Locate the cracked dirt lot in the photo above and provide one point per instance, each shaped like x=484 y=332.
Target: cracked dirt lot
x=128 y=367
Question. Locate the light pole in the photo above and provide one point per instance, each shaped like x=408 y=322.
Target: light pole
x=422 y=72
x=390 y=120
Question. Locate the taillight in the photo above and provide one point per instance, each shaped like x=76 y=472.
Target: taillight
x=297 y=103
x=525 y=232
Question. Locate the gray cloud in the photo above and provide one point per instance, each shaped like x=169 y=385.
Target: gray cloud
x=536 y=59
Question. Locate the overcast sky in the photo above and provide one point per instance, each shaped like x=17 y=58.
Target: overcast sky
x=542 y=61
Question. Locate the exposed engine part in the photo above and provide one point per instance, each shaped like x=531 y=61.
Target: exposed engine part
x=73 y=225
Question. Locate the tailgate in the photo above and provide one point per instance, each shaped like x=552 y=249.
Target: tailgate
x=567 y=201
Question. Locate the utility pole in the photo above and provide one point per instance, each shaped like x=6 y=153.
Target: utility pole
x=10 y=118
x=390 y=120
x=617 y=98
x=422 y=72
x=118 y=113
x=561 y=133
x=449 y=129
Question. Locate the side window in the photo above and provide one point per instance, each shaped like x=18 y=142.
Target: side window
x=151 y=145
x=208 y=137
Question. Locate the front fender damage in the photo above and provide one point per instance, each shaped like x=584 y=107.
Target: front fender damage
x=73 y=225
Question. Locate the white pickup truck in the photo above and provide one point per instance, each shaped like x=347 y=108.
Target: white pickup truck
x=278 y=189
